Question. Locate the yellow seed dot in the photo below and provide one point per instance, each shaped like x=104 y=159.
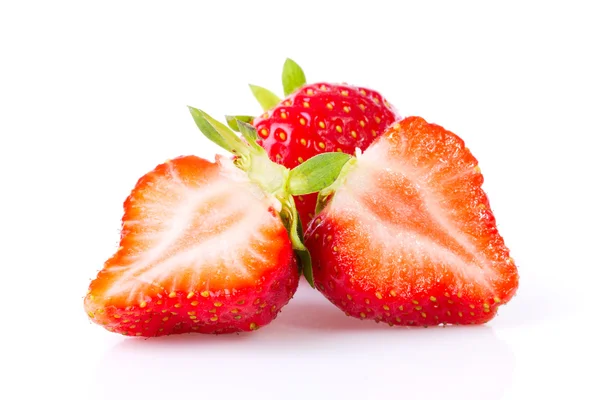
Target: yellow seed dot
x=191 y=312
x=300 y=159
x=172 y=295
x=287 y=103
x=377 y=119
x=353 y=134
x=305 y=104
x=160 y=329
x=459 y=295
x=263 y=305
x=283 y=115
x=362 y=123
x=362 y=107
x=193 y=317
x=450 y=302
x=415 y=302
x=282 y=136
x=393 y=293
x=472 y=313
x=309 y=92
x=449 y=313
x=190 y=295
x=194 y=303
x=165 y=319
x=302 y=121
x=164 y=311
x=143 y=304
x=497 y=299
x=398 y=319
x=212 y=310
x=321 y=124
x=477 y=170
x=323 y=87
x=460 y=314
x=386 y=307
x=376 y=100
x=424 y=315
x=177 y=305
x=235 y=311
x=363 y=315
x=273 y=308
x=100 y=311
x=237 y=317
x=338 y=129
x=367 y=301
x=132 y=327
x=387 y=314
x=486 y=305
x=330 y=106
x=368 y=309
x=214 y=318
x=378 y=295
x=148 y=321
x=346 y=109
x=303 y=142
x=362 y=91
x=159 y=302
x=471 y=306
x=117 y=316
x=418 y=308
x=401 y=308
x=487 y=310
x=264 y=132
x=205 y=293
x=482 y=206
x=447 y=294
x=344 y=93
x=173 y=313
x=91 y=314
x=432 y=298
x=240 y=302
x=349 y=297
x=335 y=248
x=321 y=145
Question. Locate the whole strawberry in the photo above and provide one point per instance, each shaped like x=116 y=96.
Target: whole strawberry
x=406 y=234
x=205 y=247
x=317 y=118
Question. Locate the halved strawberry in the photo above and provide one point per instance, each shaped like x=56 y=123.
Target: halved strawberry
x=407 y=236
x=317 y=118
x=207 y=247
x=202 y=249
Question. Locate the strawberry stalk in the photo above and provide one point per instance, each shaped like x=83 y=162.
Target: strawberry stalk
x=312 y=176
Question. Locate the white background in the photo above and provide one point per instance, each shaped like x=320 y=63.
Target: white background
x=94 y=94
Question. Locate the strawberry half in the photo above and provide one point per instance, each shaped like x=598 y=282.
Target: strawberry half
x=205 y=247
x=317 y=118
x=406 y=234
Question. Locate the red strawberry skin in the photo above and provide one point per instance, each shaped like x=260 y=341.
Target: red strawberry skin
x=200 y=251
x=318 y=118
x=409 y=238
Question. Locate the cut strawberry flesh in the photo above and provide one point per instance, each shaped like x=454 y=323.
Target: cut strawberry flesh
x=194 y=234
x=411 y=223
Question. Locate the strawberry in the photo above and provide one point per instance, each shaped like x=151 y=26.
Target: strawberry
x=406 y=235
x=205 y=247
x=317 y=118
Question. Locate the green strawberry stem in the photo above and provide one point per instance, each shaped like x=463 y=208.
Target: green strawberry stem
x=315 y=174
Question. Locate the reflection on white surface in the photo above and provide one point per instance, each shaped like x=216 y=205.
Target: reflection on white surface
x=312 y=345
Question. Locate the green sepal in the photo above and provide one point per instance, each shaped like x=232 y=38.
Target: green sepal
x=249 y=133
x=291 y=220
x=326 y=194
x=292 y=77
x=317 y=173
x=233 y=119
x=265 y=97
